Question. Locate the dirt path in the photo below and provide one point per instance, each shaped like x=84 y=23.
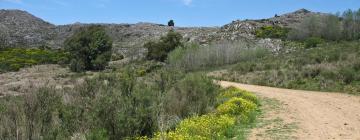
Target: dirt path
x=318 y=115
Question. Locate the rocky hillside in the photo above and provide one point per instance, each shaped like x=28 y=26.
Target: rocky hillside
x=19 y=28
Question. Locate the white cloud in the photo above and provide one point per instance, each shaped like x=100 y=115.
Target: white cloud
x=187 y=2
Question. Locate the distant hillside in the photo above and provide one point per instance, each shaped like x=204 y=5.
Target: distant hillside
x=19 y=28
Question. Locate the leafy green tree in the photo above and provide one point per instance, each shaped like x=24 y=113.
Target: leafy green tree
x=351 y=24
x=89 y=48
x=171 y=23
x=331 y=27
x=160 y=49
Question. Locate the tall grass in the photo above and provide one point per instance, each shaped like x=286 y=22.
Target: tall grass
x=194 y=57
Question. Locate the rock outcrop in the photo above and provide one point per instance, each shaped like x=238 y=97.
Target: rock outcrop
x=21 y=29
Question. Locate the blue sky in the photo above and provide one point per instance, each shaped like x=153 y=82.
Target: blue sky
x=184 y=12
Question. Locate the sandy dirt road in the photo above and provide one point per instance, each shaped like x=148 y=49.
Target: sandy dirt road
x=319 y=115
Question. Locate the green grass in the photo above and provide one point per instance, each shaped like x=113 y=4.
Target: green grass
x=12 y=59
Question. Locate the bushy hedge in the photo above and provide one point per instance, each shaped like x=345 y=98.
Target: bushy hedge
x=12 y=59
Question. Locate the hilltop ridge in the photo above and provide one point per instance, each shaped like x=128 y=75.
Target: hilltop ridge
x=22 y=29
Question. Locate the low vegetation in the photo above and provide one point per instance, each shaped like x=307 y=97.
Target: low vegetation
x=12 y=59
x=102 y=106
x=272 y=32
x=220 y=124
x=331 y=66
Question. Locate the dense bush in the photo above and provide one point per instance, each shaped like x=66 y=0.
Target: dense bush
x=158 y=50
x=272 y=32
x=194 y=95
x=313 y=42
x=12 y=59
x=89 y=49
x=194 y=57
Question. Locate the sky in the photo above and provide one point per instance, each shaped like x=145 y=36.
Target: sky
x=183 y=12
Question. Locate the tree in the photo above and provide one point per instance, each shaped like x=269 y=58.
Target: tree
x=171 y=23
x=317 y=26
x=331 y=29
x=351 y=24
x=158 y=50
x=90 y=48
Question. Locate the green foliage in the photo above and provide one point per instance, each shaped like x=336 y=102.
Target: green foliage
x=12 y=59
x=171 y=23
x=203 y=128
x=193 y=57
x=351 y=24
x=329 y=67
x=237 y=107
x=217 y=125
x=328 y=27
x=272 y=32
x=89 y=49
x=100 y=134
x=231 y=92
x=194 y=95
x=313 y=42
x=158 y=50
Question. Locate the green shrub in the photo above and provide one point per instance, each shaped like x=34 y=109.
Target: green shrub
x=194 y=95
x=12 y=59
x=100 y=134
x=203 y=128
x=159 y=50
x=313 y=42
x=237 y=107
x=76 y=65
x=91 y=47
x=218 y=125
x=232 y=92
x=272 y=32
